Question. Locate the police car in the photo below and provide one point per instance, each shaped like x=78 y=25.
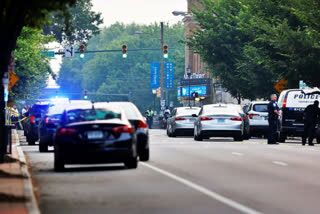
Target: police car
x=292 y=103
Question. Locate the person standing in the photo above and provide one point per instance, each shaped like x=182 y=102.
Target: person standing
x=149 y=114
x=273 y=115
x=311 y=118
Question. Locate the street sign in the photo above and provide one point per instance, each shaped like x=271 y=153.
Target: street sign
x=154 y=80
x=13 y=79
x=69 y=51
x=281 y=85
x=47 y=53
x=162 y=103
x=169 y=71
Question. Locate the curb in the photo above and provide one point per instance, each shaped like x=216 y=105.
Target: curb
x=31 y=204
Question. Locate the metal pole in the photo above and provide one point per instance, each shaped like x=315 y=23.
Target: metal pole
x=154 y=102
x=161 y=63
x=189 y=91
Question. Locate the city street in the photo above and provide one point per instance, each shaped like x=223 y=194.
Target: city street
x=184 y=176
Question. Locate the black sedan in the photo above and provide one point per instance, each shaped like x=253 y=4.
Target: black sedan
x=94 y=133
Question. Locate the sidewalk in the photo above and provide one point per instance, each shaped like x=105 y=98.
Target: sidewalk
x=16 y=192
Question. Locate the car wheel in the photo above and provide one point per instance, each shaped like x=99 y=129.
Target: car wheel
x=131 y=163
x=238 y=138
x=58 y=164
x=145 y=155
x=282 y=138
x=43 y=147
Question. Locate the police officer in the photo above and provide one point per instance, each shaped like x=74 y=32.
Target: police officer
x=149 y=114
x=273 y=114
x=311 y=118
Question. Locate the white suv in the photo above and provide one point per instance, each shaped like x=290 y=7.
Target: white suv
x=258 y=118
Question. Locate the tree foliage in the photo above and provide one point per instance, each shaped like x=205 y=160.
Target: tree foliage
x=30 y=66
x=251 y=44
x=109 y=73
x=83 y=23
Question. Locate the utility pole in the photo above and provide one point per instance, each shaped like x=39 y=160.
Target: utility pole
x=161 y=63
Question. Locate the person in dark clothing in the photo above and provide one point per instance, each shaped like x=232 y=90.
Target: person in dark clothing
x=273 y=114
x=311 y=118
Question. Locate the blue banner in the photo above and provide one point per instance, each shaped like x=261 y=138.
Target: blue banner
x=169 y=71
x=154 y=80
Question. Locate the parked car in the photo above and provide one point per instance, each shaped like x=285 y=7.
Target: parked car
x=246 y=130
x=139 y=123
x=181 y=121
x=94 y=133
x=31 y=123
x=292 y=103
x=50 y=121
x=258 y=118
x=218 y=120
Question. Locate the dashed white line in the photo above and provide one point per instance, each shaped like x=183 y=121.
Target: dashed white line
x=209 y=193
x=280 y=163
x=237 y=153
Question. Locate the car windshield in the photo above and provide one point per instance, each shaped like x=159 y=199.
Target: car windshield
x=187 y=111
x=215 y=110
x=78 y=115
x=260 y=107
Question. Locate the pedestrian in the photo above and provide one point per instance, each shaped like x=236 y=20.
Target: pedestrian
x=273 y=115
x=311 y=118
x=149 y=115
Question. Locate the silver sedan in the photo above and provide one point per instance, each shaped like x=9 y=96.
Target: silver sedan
x=181 y=121
x=218 y=121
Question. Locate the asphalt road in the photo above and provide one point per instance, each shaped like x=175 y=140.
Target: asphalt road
x=217 y=176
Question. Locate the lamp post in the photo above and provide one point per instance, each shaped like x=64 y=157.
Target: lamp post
x=189 y=75
x=154 y=92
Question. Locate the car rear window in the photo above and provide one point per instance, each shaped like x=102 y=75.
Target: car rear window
x=79 y=115
x=187 y=111
x=220 y=110
x=260 y=107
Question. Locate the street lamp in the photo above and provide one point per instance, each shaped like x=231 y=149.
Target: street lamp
x=154 y=92
x=179 y=13
x=189 y=75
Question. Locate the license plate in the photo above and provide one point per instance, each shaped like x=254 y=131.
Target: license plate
x=257 y=118
x=94 y=135
x=220 y=120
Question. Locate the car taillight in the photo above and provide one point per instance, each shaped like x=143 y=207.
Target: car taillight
x=122 y=129
x=236 y=118
x=251 y=115
x=51 y=120
x=205 y=118
x=142 y=125
x=179 y=118
x=245 y=117
x=284 y=103
x=66 y=131
x=32 y=119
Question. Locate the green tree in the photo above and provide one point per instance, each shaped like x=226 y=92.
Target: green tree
x=109 y=73
x=14 y=15
x=30 y=66
x=84 y=23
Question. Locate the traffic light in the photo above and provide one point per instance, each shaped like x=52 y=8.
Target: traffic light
x=85 y=94
x=165 y=51
x=82 y=50
x=159 y=92
x=124 y=51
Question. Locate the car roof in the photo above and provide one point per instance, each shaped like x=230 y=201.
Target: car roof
x=98 y=105
x=259 y=102
x=194 y=107
x=136 y=114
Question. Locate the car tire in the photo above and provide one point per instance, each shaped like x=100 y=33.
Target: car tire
x=238 y=138
x=43 y=147
x=58 y=164
x=282 y=138
x=131 y=163
x=145 y=155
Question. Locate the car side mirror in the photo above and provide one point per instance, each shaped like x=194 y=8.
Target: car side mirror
x=194 y=115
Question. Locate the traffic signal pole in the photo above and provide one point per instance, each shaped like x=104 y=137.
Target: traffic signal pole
x=161 y=63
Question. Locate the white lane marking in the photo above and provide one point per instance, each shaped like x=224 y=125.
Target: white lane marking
x=280 y=163
x=237 y=153
x=204 y=190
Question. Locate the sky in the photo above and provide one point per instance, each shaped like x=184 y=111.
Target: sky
x=131 y=11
